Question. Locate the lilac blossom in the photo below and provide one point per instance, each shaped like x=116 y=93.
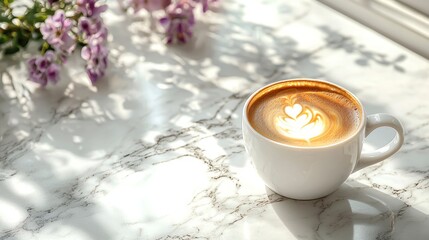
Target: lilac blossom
x=43 y=69
x=149 y=5
x=179 y=22
x=94 y=33
x=61 y=32
x=56 y=31
x=91 y=28
x=89 y=9
x=95 y=53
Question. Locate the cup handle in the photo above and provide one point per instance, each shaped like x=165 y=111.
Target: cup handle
x=375 y=121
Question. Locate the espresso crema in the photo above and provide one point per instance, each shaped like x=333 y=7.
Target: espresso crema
x=304 y=113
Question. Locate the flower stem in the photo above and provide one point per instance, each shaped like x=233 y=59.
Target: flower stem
x=45 y=47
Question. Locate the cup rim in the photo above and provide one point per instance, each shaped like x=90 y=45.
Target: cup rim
x=349 y=138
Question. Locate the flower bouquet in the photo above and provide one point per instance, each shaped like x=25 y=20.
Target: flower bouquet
x=60 y=26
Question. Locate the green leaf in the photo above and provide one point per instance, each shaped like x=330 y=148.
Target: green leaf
x=49 y=11
x=4 y=39
x=7 y=2
x=22 y=38
x=37 y=35
x=33 y=14
x=4 y=19
x=40 y=17
x=11 y=50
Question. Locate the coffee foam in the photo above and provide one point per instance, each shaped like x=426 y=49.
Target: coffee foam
x=304 y=113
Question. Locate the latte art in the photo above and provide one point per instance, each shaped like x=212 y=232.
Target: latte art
x=304 y=113
x=300 y=123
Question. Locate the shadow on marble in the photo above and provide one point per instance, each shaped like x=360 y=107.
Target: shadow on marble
x=365 y=57
x=252 y=54
x=205 y=82
x=354 y=211
x=46 y=120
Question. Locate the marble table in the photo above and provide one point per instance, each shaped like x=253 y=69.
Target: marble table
x=154 y=151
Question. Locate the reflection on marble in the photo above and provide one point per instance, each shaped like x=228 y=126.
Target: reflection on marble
x=155 y=152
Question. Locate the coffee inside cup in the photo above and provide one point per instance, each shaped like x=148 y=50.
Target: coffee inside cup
x=304 y=113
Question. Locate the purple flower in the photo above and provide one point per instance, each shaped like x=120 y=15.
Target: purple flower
x=95 y=55
x=56 y=31
x=91 y=28
x=149 y=5
x=89 y=9
x=94 y=33
x=179 y=22
x=42 y=69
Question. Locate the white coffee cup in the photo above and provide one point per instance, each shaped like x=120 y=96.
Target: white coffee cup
x=313 y=172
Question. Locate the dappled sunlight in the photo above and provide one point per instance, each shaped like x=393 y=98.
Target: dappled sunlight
x=15 y=212
x=15 y=195
x=158 y=141
x=187 y=66
x=154 y=199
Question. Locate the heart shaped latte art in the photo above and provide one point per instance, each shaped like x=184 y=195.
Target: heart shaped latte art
x=300 y=122
x=293 y=111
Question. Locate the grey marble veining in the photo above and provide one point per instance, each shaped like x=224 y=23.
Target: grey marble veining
x=154 y=151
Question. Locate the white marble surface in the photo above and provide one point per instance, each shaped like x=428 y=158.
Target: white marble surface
x=154 y=151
